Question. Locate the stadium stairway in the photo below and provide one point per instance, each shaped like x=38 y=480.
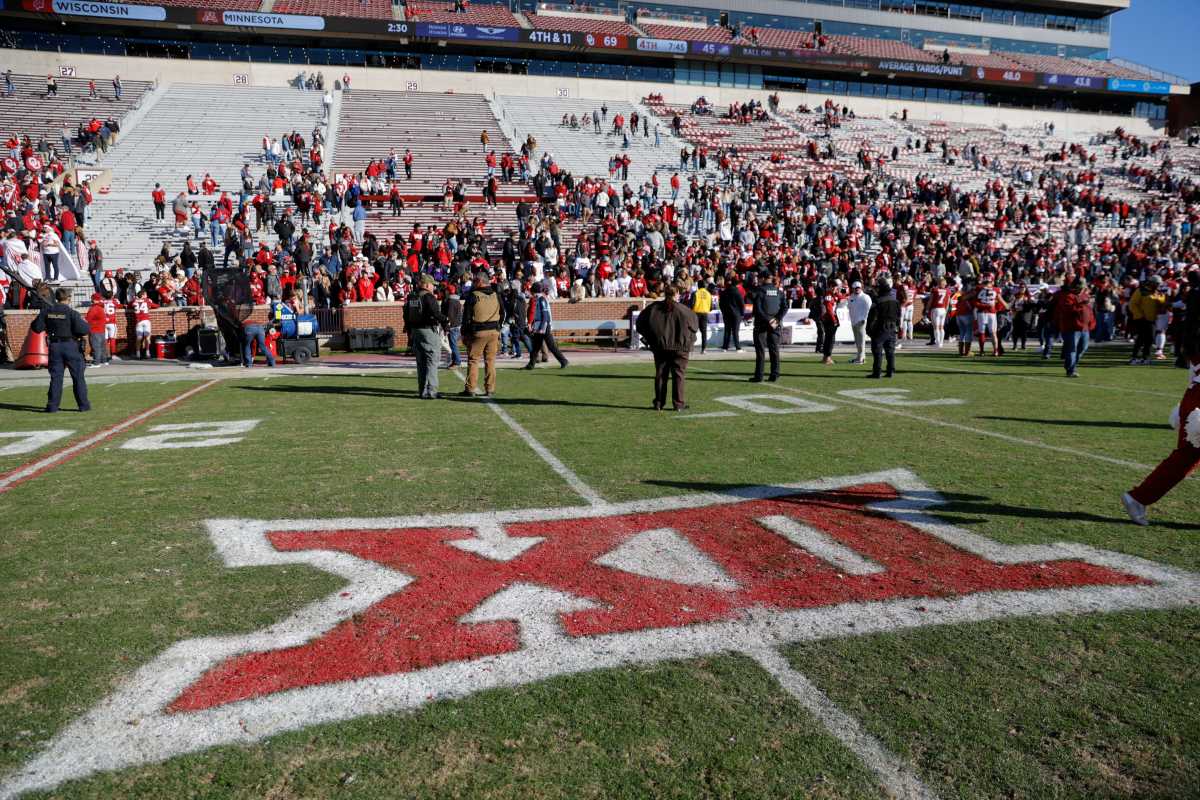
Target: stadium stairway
x=189 y=130
x=583 y=152
x=442 y=130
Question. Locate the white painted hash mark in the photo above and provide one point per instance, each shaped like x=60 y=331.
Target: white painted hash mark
x=897 y=778
x=192 y=434
x=821 y=545
x=29 y=470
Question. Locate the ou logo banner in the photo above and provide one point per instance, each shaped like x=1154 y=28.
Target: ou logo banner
x=444 y=606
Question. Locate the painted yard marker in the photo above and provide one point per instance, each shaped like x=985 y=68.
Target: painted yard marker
x=35 y=468
x=706 y=415
x=28 y=441
x=885 y=409
x=419 y=620
x=192 y=434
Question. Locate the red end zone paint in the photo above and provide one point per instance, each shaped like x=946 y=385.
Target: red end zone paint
x=44 y=464
x=420 y=626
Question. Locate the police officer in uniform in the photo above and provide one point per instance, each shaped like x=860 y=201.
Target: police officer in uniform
x=883 y=322
x=423 y=320
x=63 y=327
x=770 y=304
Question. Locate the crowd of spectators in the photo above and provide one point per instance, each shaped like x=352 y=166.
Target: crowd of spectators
x=1125 y=211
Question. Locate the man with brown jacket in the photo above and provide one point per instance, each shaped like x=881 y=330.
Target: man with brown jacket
x=482 y=319
x=669 y=329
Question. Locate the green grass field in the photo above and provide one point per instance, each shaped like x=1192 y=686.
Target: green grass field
x=106 y=562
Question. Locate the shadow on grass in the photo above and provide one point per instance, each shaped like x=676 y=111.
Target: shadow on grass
x=1083 y=423
x=955 y=504
x=23 y=407
x=399 y=394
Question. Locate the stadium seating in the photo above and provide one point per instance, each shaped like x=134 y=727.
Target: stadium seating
x=879 y=48
x=583 y=24
x=584 y=152
x=190 y=130
x=777 y=37
x=476 y=14
x=371 y=9
x=996 y=60
x=713 y=33
x=224 y=5
x=443 y=131
x=31 y=112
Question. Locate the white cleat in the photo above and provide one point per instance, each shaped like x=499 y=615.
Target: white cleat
x=1136 y=511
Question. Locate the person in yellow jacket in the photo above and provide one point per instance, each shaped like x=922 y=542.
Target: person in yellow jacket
x=1145 y=305
x=702 y=304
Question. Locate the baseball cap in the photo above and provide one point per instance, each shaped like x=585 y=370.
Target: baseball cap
x=856 y=285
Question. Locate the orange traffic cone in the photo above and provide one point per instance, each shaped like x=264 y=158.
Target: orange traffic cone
x=34 y=353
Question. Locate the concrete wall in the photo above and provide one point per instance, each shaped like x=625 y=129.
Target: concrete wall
x=359 y=315
x=257 y=74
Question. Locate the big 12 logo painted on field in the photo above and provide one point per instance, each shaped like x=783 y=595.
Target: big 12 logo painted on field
x=445 y=606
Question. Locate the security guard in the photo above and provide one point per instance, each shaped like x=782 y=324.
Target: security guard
x=423 y=320
x=63 y=327
x=770 y=304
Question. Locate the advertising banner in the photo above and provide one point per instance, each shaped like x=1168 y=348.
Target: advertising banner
x=1141 y=87
x=479 y=33
x=90 y=8
x=259 y=19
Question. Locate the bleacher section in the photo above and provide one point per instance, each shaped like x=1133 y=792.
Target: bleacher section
x=443 y=131
x=476 y=14
x=370 y=9
x=584 y=152
x=226 y=5
x=713 y=33
x=190 y=130
x=30 y=112
x=583 y=24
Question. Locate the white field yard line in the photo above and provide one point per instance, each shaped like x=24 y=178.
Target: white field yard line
x=1004 y=437
x=1041 y=379
x=43 y=464
x=897 y=779
x=562 y=470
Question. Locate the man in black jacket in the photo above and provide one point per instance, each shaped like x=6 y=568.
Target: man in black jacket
x=669 y=329
x=770 y=304
x=63 y=327
x=285 y=229
x=730 y=302
x=883 y=322
x=422 y=322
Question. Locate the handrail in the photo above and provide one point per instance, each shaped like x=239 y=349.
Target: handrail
x=1170 y=77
